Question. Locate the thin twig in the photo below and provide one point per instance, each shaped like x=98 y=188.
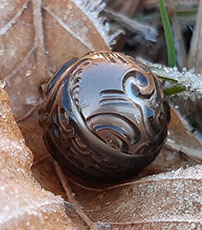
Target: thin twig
x=39 y=33
x=149 y=32
x=40 y=159
x=71 y=197
x=195 y=55
x=29 y=113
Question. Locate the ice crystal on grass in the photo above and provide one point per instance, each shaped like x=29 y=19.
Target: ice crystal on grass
x=188 y=79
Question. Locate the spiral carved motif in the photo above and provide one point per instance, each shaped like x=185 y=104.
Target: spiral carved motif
x=104 y=116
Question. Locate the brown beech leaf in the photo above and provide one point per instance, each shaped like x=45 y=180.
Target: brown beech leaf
x=36 y=37
x=24 y=204
x=171 y=200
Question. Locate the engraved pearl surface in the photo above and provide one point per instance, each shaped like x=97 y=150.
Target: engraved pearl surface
x=104 y=116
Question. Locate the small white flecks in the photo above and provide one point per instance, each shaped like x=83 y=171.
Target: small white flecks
x=193 y=173
x=169 y=156
x=28 y=223
x=73 y=194
x=28 y=73
x=13 y=51
x=2 y=188
x=3 y=84
x=25 y=206
x=31 y=100
x=101 y=225
x=69 y=221
x=176 y=107
x=184 y=70
x=2 y=52
x=3 y=113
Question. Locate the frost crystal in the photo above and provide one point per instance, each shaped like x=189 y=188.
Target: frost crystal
x=92 y=8
x=28 y=73
x=187 y=78
x=3 y=84
x=101 y=225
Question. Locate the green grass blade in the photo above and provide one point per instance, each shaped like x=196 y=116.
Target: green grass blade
x=168 y=34
x=186 y=13
x=174 y=90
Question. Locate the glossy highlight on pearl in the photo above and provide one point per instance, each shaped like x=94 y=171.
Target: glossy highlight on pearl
x=104 y=116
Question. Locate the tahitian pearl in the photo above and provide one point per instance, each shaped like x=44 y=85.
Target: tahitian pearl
x=104 y=116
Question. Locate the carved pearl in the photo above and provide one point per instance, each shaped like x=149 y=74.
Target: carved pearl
x=104 y=116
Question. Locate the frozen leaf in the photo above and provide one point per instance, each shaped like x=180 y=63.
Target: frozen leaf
x=24 y=204
x=169 y=200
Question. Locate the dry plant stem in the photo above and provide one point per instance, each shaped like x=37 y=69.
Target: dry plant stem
x=71 y=198
x=195 y=54
x=40 y=159
x=24 y=61
x=186 y=4
x=38 y=22
x=29 y=113
x=131 y=24
x=42 y=59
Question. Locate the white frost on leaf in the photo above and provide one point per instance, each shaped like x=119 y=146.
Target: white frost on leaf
x=23 y=205
x=93 y=8
x=16 y=151
x=163 y=200
x=192 y=173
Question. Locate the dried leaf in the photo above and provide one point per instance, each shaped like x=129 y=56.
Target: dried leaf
x=169 y=200
x=24 y=204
